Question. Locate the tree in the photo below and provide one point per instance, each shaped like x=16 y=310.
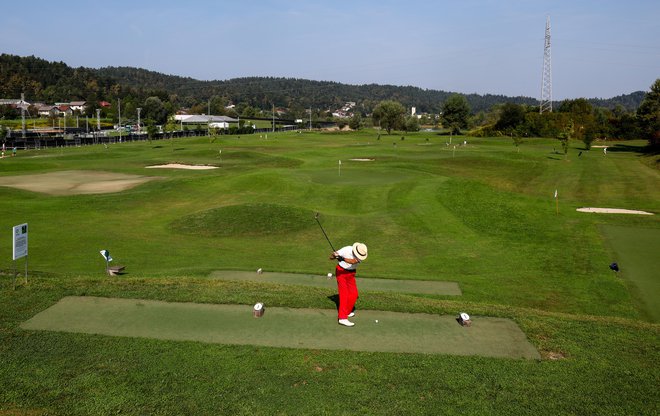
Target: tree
x=217 y=106
x=249 y=111
x=412 y=123
x=511 y=116
x=155 y=110
x=565 y=136
x=648 y=115
x=389 y=115
x=455 y=113
x=152 y=130
x=517 y=140
x=355 y=121
x=579 y=107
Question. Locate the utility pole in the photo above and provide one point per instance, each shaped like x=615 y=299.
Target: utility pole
x=310 y=118
x=23 y=113
x=139 y=128
x=98 y=119
x=546 y=83
x=273 y=117
x=119 y=111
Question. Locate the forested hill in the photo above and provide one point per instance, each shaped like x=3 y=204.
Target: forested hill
x=262 y=92
x=50 y=82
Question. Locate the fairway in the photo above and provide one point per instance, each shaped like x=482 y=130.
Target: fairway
x=285 y=327
x=385 y=285
x=637 y=256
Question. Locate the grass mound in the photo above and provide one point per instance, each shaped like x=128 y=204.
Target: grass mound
x=245 y=219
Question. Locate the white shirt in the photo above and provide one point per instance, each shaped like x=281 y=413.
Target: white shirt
x=347 y=253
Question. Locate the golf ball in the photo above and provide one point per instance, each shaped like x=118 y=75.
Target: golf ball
x=329 y=275
x=376 y=320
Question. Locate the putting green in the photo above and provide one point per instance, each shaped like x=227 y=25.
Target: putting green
x=385 y=285
x=348 y=175
x=637 y=256
x=285 y=327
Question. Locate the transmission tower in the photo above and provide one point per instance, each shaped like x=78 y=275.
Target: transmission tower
x=546 y=84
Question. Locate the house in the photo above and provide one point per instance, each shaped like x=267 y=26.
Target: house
x=15 y=103
x=78 y=106
x=104 y=104
x=65 y=110
x=346 y=111
x=48 y=110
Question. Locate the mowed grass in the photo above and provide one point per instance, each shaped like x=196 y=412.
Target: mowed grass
x=637 y=258
x=483 y=215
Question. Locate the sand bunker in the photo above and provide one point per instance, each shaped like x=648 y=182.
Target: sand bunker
x=74 y=182
x=613 y=211
x=181 y=166
x=362 y=160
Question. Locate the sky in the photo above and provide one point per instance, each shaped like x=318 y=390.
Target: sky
x=599 y=49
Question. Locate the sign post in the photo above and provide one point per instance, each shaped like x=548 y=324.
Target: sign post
x=20 y=248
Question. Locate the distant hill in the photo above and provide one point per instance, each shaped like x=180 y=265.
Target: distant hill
x=55 y=81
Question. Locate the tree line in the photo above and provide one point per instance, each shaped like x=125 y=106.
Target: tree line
x=574 y=119
x=160 y=96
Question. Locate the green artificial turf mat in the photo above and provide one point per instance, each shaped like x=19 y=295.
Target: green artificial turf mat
x=386 y=285
x=285 y=327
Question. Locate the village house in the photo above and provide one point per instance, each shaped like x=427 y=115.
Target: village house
x=46 y=110
x=78 y=106
x=65 y=110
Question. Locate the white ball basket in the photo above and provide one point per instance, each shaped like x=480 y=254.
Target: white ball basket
x=258 y=310
x=464 y=319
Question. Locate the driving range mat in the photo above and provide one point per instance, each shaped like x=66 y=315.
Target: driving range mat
x=376 y=331
x=429 y=287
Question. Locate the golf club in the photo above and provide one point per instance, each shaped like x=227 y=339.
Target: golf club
x=316 y=217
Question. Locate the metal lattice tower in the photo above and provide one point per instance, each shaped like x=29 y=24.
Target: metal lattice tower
x=546 y=84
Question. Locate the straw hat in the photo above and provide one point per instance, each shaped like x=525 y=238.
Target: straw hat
x=360 y=251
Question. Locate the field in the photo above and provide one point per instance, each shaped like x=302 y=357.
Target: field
x=480 y=214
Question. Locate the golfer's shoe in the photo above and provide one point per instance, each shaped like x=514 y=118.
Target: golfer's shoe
x=345 y=322
x=352 y=314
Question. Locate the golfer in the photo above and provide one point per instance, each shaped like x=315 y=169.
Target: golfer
x=349 y=257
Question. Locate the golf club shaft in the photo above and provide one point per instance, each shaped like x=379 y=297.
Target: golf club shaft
x=326 y=235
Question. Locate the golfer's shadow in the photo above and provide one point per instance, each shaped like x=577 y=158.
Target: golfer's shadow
x=335 y=299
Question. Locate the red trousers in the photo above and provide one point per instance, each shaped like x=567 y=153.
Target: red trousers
x=348 y=292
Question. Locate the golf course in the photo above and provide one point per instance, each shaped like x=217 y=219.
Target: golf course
x=453 y=225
